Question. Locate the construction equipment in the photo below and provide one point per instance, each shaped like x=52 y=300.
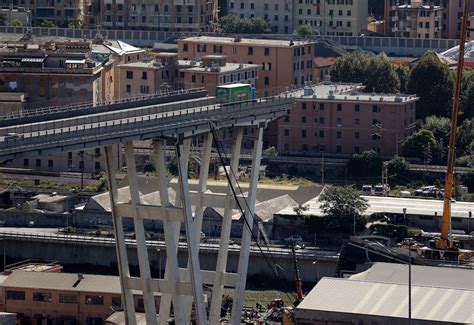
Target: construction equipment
x=445 y=241
x=298 y=282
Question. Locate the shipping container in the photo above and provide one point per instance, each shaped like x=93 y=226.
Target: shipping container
x=234 y=93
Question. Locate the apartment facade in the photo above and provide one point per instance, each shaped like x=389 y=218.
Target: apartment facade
x=166 y=15
x=215 y=71
x=338 y=119
x=281 y=63
x=63 y=298
x=16 y=15
x=278 y=13
x=417 y=20
x=331 y=17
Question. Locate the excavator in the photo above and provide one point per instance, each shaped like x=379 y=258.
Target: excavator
x=445 y=245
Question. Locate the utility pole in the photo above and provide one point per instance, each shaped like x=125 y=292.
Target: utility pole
x=322 y=167
x=409 y=269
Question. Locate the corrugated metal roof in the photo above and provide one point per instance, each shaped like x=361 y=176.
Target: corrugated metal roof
x=389 y=300
x=443 y=277
x=62 y=281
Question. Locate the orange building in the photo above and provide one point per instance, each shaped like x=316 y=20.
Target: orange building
x=57 y=298
x=281 y=63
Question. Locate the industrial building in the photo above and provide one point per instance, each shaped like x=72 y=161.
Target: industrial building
x=379 y=295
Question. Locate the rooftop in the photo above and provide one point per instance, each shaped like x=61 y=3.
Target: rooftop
x=245 y=41
x=350 y=92
x=228 y=67
x=377 y=204
x=389 y=300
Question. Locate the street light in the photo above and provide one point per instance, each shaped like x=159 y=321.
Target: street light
x=317 y=270
x=409 y=268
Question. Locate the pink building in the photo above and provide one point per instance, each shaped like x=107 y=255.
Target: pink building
x=452 y=14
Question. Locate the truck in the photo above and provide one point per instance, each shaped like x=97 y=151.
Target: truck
x=235 y=93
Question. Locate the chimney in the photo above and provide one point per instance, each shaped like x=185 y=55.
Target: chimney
x=80 y=277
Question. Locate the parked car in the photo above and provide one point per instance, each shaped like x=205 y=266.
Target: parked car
x=427 y=191
x=381 y=190
x=367 y=190
x=294 y=238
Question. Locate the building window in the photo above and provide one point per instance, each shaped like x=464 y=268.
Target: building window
x=339 y=121
x=287 y=133
x=67 y=299
x=129 y=74
x=356 y=135
x=50 y=163
x=339 y=107
x=338 y=149
x=356 y=121
x=116 y=302
x=303 y=106
x=144 y=75
x=94 y=300
x=41 y=296
x=321 y=133
x=303 y=119
x=321 y=107
x=286 y=147
x=201 y=48
x=26 y=162
x=321 y=120
x=129 y=89
x=356 y=149
x=266 y=51
x=144 y=89
x=38 y=162
x=250 y=51
x=193 y=78
x=375 y=109
x=97 y=166
x=287 y=119
x=338 y=134
x=357 y=108
x=266 y=81
x=303 y=133
x=185 y=47
x=15 y=295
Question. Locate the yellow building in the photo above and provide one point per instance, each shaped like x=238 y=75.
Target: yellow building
x=331 y=17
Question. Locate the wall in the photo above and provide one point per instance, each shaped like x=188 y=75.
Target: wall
x=392 y=46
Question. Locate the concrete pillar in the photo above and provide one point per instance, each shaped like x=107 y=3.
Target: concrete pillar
x=145 y=274
x=214 y=314
x=247 y=233
x=121 y=250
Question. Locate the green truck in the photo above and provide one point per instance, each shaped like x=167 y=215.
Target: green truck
x=235 y=93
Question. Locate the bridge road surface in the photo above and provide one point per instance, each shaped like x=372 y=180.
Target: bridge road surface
x=176 y=120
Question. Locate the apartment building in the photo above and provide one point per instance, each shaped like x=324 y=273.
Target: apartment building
x=338 y=119
x=12 y=16
x=278 y=13
x=63 y=298
x=166 y=15
x=281 y=63
x=417 y=20
x=215 y=71
x=332 y=17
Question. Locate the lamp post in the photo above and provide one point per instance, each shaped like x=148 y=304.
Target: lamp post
x=317 y=270
x=409 y=269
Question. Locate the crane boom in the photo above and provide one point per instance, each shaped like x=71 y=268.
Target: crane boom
x=444 y=242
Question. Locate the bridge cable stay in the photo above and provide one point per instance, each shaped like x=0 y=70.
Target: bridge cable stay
x=274 y=267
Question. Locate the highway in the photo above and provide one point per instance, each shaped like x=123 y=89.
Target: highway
x=185 y=118
x=51 y=234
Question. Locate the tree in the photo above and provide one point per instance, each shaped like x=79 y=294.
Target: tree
x=366 y=164
x=341 y=206
x=415 y=145
x=47 y=23
x=403 y=72
x=352 y=67
x=234 y=24
x=467 y=105
x=465 y=138
x=440 y=126
x=432 y=81
x=306 y=30
x=382 y=77
x=396 y=166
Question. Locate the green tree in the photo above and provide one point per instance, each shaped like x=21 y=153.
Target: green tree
x=416 y=144
x=47 y=23
x=305 y=30
x=366 y=164
x=396 y=166
x=341 y=206
x=235 y=24
x=403 y=73
x=440 y=126
x=382 y=76
x=352 y=67
x=432 y=81
x=467 y=105
x=465 y=138
x=16 y=23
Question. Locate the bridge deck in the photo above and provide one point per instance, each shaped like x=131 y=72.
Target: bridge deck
x=180 y=119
